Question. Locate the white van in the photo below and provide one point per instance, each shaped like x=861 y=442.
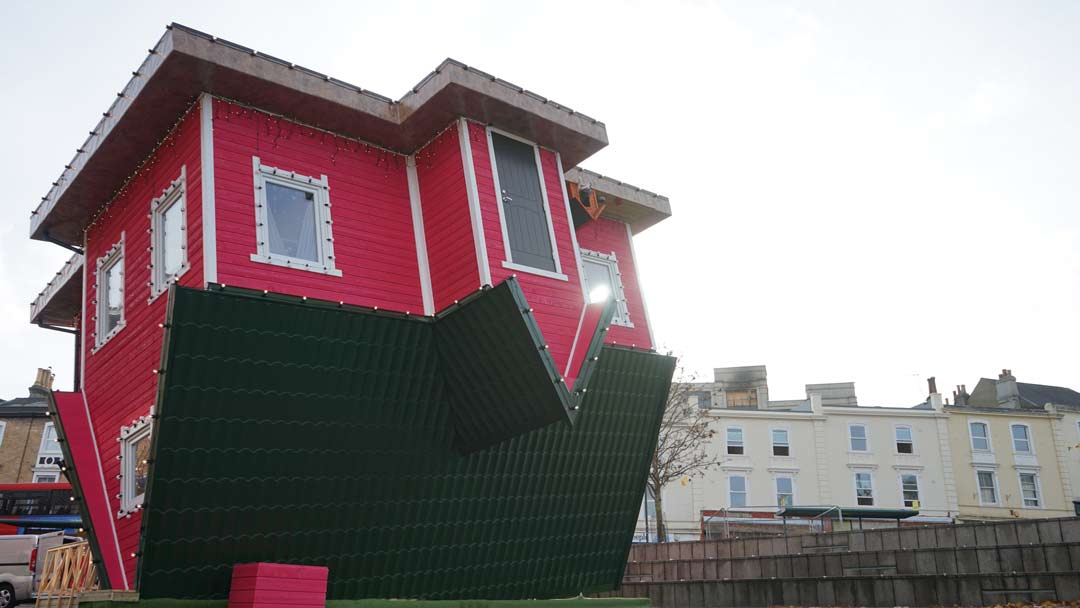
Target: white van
x=21 y=559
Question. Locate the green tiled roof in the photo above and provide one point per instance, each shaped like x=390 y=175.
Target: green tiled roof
x=315 y=434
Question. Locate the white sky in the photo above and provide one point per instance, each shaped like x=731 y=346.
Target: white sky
x=875 y=192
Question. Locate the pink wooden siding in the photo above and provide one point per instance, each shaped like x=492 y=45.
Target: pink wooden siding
x=374 y=245
x=557 y=304
x=447 y=223
x=120 y=383
x=609 y=236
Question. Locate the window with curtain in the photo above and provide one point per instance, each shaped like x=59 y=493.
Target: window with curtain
x=735 y=440
x=168 y=221
x=1029 y=489
x=987 y=487
x=785 y=491
x=864 y=489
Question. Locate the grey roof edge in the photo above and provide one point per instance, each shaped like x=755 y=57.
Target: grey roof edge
x=650 y=207
x=453 y=85
x=67 y=272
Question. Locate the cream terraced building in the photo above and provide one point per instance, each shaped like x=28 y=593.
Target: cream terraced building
x=826 y=450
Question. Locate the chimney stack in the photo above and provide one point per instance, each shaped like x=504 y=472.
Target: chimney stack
x=1008 y=393
x=42 y=383
x=960 y=395
x=931 y=383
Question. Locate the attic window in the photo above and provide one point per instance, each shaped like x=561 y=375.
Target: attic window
x=134 y=464
x=109 y=294
x=169 y=253
x=602 y=274
x=292 y=220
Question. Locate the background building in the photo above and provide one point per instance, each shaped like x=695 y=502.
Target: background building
x=1015 y=453
x=1007 y=450
x=823 y=449
x=29 y=451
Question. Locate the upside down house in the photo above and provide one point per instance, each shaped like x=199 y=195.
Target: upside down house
x=401 y=339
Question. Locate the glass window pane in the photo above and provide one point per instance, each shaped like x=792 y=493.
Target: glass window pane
x=1021 y=440
x=779 y=436
x=141 y=451
x=738 y=484
x=1030 y=489
x=114 y=294
x=987 y=487
x=979 y=438
x=291 y=222
x=903 y=433
x=172 y=239
x=598 y=281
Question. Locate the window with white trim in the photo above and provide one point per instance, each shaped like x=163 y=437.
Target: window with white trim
x=905 y=443
x=737 y=491
x=987 y=482
x=1021 y=438
x=1029 y=489
x=980 y=436
x=780 y=444
x=3 y=427
x=785 y=491
x=603 y=280
x=49 y=453
x=46 y=477
x=169 y=245
x=864 y=489
x=735 y=444
x=292 y=220
x=857 y=439
x=909 y=489
x=109 y=294
x=134 y=464
x=525 y=213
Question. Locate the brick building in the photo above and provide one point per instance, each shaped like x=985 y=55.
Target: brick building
x=29 y=452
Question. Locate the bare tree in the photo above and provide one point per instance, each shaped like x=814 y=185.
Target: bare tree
x=680 y=448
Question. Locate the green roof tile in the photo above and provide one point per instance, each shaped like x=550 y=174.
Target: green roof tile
x=315 y=434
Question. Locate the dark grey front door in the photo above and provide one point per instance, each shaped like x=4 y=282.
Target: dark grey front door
x=523 y=204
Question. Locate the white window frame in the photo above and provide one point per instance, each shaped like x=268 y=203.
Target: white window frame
x=129 y=435
x=773 y=444
x=324 y=236
x=776 y=488
x=1030 y=441
x=866 y=437
x=745 y=492
x=896 y=438
x=1038 y=488
x=174 y=194
x=622 y=312
x=918 y=488
x=3 y=428
x=855 y=486
x=55 y=473
x=114 y=256
x=727 y=442
x=997 y=487
x=509 y=261
x=971 y=437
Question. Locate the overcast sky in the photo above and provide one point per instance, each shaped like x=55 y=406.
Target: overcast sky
x=868 y=192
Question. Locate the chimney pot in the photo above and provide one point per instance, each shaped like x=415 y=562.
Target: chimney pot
x=932 y=384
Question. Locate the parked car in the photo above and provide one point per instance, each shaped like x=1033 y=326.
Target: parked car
x=21 y=559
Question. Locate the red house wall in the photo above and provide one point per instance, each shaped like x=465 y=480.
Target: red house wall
x=609 y=236
x=447 y=223
x=557 y=304
x=119 y=383
x=374 y=244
